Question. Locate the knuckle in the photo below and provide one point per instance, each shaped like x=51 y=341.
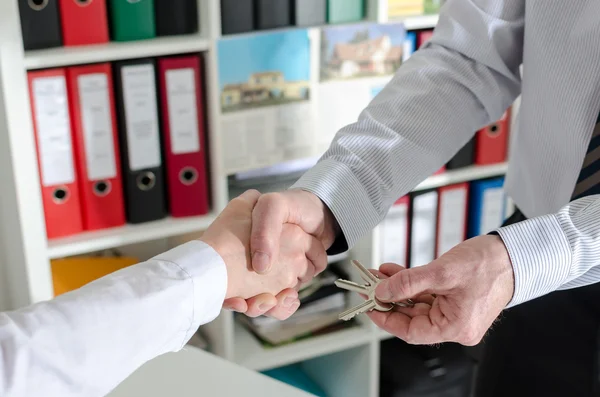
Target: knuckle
x=445 y=275
x=470 y=337
x=294 y=233
x=263 y=240
x=270 y=200
x=290 y=279
x=236 y=200
x=308 y=275
x=401 y=285
x=299 y=258
x=410 y=338
x=250 y=195
x=321 y=261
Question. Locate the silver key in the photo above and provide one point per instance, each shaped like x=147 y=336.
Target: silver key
x=352 y=286
x=369 y=290
x=349 y=314
x=369 y=277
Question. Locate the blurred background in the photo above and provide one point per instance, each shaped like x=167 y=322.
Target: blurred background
x=126 y=127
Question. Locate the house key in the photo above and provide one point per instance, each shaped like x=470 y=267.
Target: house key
x=369 y=290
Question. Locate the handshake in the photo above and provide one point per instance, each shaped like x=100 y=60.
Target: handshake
x=271 y=244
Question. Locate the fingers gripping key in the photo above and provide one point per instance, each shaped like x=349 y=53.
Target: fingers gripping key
x=369 y=290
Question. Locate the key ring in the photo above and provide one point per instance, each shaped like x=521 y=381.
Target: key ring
x=407 y=303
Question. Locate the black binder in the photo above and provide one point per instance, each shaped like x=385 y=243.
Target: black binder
x=176 y=17
x=40 y=24
x=237 y=16
x=309 y=12
x=271 y=14
x=139 y=135
x=464 y=157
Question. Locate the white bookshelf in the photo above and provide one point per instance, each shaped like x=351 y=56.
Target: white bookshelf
x=115 y=51
x=417 y=22
x=462 y=175
x=131 y=234
x=125 y=235
x=25 y=253
x=250 y=353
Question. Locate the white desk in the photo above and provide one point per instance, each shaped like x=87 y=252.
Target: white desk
x=195 y=373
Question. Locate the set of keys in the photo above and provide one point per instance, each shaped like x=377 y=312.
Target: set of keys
x=369 y=291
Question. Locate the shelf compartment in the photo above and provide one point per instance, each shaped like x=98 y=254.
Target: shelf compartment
x=251 y=354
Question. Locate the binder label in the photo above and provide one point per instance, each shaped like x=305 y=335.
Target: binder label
x=453 y=214
x=394 y=235
x=139 y=92
x=183 y=111
x=492 y=212
x=97 y=126
x=422 y=250
x=53 y=130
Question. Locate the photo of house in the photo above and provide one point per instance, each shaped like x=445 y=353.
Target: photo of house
x=369 y=50
x=264 y=70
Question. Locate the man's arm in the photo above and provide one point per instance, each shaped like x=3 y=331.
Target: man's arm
x=85 y=342
x=477 y=279
x=464 y=79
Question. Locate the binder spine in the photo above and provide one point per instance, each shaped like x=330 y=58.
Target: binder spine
x=237 y=16
x=309 y=12
x=132 y=20
x=271 y=14
x=176 y=17
x=40 y=24
x=142 y=167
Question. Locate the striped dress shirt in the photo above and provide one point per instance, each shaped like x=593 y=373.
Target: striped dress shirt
x=464 y=78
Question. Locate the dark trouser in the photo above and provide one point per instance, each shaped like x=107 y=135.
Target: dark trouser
x=545 y=347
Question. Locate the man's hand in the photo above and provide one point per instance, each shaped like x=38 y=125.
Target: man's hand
x=298 y=256
x=272 y=214
x=297 y=207
x=458 y=296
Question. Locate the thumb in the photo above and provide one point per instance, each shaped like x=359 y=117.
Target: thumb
x=409 y=283
x=250 y=197
x=268 y=217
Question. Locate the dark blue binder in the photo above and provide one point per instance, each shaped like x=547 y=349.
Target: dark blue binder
x=487 y=206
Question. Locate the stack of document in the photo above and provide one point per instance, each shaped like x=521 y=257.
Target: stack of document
x=276 y=178
x=321 y=302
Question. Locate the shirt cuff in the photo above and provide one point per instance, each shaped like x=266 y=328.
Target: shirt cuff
x=540 y=254
x=337 y=186
x=208 y=273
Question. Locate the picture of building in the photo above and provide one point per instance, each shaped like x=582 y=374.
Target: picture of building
x=261 y=89
x=264 y=70
x=361 y=51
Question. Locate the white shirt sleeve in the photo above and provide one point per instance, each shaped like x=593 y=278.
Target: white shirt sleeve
x=556 y=251
x=84 y=343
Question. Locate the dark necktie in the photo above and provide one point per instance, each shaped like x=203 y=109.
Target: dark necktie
x=588 y=182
